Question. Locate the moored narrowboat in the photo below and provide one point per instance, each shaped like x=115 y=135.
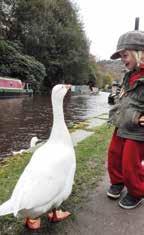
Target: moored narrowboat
x=12 y=87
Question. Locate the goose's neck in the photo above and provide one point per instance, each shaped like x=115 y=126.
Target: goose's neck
x=58 y=115
x=59 y=128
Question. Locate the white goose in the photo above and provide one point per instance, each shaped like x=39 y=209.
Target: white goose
x=33 y=143
x=48 y=178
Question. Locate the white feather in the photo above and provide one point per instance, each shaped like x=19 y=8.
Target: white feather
x=48 y=178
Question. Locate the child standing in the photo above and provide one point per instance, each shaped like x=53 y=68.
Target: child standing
x=126 y=150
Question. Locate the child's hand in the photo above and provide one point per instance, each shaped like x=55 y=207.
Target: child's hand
x=141 y=120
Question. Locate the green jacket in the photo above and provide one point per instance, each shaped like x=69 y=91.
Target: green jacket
x=130 y=106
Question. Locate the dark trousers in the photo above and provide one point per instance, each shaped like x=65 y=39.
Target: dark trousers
x=125 y=164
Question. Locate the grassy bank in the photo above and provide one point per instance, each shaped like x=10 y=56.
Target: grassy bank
x=91 y=155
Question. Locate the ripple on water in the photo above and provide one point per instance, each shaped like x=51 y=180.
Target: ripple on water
x=23 y=118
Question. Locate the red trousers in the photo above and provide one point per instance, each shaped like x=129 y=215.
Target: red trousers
x=125 y=164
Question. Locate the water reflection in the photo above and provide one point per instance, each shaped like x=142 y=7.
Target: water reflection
x=22 y=118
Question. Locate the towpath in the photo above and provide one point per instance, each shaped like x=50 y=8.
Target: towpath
x=102 y=216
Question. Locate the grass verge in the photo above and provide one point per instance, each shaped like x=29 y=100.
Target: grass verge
x=90 y=154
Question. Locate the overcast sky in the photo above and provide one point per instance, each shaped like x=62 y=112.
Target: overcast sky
x=106 y=20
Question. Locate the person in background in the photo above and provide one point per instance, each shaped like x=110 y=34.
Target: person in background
x=126 y=150
x=115 y=90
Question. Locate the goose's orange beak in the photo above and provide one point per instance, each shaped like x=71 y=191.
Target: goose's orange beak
x=68 y=86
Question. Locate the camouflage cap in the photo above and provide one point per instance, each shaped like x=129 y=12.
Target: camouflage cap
x=132 y=40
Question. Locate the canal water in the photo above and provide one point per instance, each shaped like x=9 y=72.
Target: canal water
x=23 y=118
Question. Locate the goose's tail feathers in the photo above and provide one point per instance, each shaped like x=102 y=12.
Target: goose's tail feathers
x=6 y=208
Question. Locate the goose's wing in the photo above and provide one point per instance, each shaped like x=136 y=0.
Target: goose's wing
x=42 y=180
